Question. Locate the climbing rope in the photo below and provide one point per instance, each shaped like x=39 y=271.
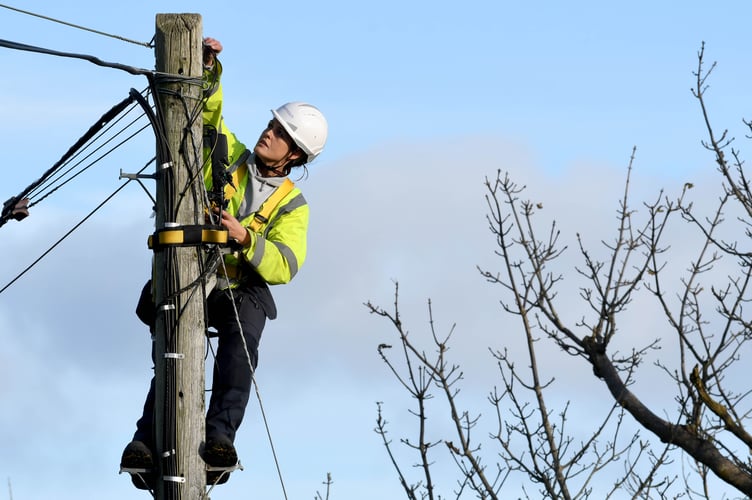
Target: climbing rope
x=257 y=391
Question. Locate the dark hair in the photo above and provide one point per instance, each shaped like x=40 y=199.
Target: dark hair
x=298 y=162
x=294 y=148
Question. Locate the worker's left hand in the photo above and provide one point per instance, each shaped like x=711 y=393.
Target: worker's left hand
x=235 y=230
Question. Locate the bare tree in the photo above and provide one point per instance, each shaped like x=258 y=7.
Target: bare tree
x=703 y=311
x=328 y=483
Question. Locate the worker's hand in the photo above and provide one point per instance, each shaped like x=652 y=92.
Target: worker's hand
x=21 y=209
x=235 y=230
x=212 y=47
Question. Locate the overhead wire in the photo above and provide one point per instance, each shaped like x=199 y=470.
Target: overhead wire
x=148 y=45
x=70 y=231
x=88 y=139
x=99 y=62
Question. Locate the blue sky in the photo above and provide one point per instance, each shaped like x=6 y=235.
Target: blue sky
x=424 y=99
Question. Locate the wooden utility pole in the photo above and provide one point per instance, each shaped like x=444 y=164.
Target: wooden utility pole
x=179 y=333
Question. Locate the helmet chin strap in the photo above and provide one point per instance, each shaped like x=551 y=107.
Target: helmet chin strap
x=279 y=171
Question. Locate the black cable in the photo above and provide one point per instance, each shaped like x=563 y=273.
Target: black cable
x=50 y=191
x=40 y=50
x=170 y=300
x=109 y=115
x=163 y=151
x=58 y=176
x=192 y=165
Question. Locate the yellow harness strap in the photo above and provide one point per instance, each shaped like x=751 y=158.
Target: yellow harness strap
x=262 y=216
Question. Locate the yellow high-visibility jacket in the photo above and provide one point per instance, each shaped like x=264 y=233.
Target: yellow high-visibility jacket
x=278 y=249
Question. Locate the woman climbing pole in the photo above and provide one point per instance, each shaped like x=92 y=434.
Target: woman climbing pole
x=266 y=217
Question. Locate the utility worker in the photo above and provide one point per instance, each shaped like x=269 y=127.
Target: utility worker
x=270 y=250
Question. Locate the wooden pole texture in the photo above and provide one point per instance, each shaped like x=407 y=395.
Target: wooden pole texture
x=179 y=335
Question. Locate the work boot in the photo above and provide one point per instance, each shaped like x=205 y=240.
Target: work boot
x=219 y=452
x=138 y=456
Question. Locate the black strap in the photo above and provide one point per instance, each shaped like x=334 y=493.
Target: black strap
x=220 y=176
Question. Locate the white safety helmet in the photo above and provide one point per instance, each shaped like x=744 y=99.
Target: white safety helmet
x=306 y=126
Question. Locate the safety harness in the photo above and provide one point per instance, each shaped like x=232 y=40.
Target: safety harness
x=195 y=235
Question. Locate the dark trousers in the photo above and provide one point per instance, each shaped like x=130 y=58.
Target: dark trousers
x=233 y=365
